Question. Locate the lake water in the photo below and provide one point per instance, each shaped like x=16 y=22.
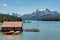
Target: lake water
x=49 y=30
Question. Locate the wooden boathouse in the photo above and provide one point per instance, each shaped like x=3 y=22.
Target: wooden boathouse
x=10 y=27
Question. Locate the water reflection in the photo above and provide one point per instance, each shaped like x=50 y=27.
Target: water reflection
x=48 y=31
x=12 y=37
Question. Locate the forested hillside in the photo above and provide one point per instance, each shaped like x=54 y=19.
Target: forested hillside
x=6 y=17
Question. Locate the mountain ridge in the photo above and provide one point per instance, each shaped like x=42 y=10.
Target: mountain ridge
x=39 y=15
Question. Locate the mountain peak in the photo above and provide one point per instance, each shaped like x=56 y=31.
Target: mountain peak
x=37 y=10
x=46 y=10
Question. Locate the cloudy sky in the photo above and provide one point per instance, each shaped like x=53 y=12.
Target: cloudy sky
x=27 y=6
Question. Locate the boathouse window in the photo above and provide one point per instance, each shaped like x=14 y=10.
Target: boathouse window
x=4 y=28
x=17 y=28
x=9 y=28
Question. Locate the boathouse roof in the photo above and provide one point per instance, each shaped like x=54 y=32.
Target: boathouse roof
x=12 y=24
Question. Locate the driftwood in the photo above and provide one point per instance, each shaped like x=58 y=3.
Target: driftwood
x=31 y=30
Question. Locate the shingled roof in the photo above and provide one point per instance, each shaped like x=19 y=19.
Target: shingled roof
x=12 y=24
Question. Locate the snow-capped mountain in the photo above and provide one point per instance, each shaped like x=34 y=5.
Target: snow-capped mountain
x=46 y=13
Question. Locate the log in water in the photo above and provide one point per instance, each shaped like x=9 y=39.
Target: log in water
x=31 y=30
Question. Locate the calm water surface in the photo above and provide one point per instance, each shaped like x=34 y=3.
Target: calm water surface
x=49 y=30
